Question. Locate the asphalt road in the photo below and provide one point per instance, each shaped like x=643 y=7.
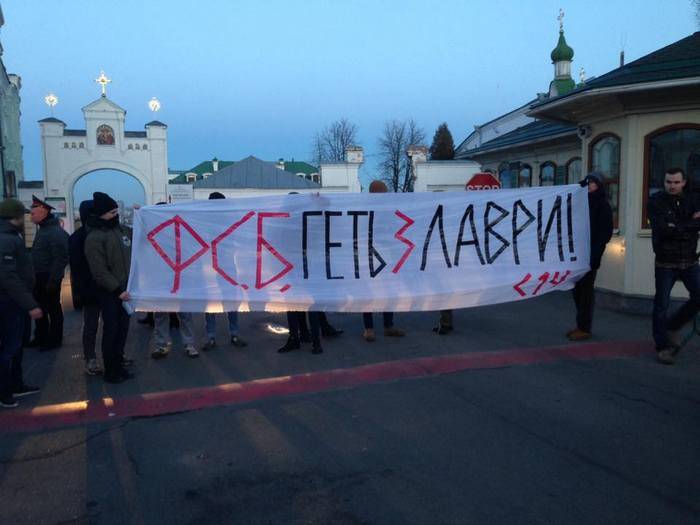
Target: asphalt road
x=588 y=439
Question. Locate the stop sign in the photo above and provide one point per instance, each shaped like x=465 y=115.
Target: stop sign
x=483 y=181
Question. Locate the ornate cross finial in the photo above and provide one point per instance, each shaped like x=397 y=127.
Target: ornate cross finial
x=561 y=19
x=103 y=81
x=154 y=104
x=51 y=100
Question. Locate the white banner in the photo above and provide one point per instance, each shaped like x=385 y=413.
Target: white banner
x=359 y=252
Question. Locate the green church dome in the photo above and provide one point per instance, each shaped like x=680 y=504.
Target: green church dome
x=562 y=51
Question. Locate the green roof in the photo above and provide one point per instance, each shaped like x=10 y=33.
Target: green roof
x=200 y=169
x=300 y=167
x=562 y=51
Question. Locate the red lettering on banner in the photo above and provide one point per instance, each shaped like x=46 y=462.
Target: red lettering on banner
x=177 y=265
x=215 y=248
x=542 y=279
x=399 y=235
x=555 y=282
x=262 y=242
x=517 y=288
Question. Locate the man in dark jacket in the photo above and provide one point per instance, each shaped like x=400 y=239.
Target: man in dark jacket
x=601 y=221
x=108 y=252
x=85 y=288
x=675 y=221
x=50 y=257
x=17 y=304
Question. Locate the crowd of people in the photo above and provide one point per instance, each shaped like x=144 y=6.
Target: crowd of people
x=99 y=253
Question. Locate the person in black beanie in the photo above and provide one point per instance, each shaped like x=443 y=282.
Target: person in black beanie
x=601 y=220
x=85 y=289
x=108 y=251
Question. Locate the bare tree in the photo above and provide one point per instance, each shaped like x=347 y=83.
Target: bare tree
x=329 y=145
x=393 y=144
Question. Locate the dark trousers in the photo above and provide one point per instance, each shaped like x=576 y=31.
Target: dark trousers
x=665 y=279
x=368 y=320
x=91 y=320
x=13 y=323
x=115 y=328
x=49 y=329
x=296 y=320
x=584 y=299
x=446 y=318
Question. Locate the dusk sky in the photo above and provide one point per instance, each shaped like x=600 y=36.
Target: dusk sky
x=238 y=78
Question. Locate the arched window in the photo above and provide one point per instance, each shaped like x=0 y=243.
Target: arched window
x=671 y=146
x=573 y=171
x=506 y=176
x=137 y=146
x=604 y=155
x=130 y=146
x=525 y=176
x=145 y=146
x=65 y=144
x=547 y=172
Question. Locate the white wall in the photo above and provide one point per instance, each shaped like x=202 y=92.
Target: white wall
x=444 y=175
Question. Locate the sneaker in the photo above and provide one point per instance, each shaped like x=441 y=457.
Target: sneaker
x=8 y=401
x=25 y=390
x=368 y=334
x=665 y=356
x=392 y=331
x=579 y=335
x=237 y=341
x=92 y=368
x=191 y=351
x=291 y=344
x=160 y=352
x=209 y=345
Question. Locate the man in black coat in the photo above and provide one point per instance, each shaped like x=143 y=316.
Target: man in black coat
x=85 y=288
x=601 y=221
x=17 y=304
x=675 y=220
x=50 y=257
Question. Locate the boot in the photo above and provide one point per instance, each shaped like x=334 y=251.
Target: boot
x=291 y=344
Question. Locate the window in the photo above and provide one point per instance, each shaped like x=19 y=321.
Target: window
x=672 y=146
x=525 y=176
x=72 y=145
x=65 y=144
x=547 y=171
x=573 y=171
x=145 y=146
x=130 y=146
x=506 y=176
x=81 y=145
x=605 y=159
x=316 y=178
x=137 y=146
x=191 y=177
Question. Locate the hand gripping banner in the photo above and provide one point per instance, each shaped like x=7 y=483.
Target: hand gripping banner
x=359 y=252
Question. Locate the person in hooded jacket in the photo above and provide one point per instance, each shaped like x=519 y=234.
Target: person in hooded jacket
x=17 y=304
x=108 y=252
x=50 y=258
x=85 y=288
x=601 y=221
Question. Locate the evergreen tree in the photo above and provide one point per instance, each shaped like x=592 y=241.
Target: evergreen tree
x=443 y=147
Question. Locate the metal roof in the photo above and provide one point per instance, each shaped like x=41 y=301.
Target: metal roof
x=252 y=172
x=538 y=130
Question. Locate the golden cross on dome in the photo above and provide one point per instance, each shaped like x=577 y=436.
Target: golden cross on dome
x=561 y=19
x=103 y=81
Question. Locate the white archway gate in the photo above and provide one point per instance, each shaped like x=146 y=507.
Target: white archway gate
x=68 y=154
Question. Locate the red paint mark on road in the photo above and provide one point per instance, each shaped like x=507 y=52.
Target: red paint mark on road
x=161 y=403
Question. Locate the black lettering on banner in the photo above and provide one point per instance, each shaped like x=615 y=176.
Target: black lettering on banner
x=304 y=239
x=355 y=250
x=329 y=244
x=517 y=230
x=468 y=214
x=371 y=252
x=542 y=239
x=437 y=218
x=569 y=224
x=488 y=231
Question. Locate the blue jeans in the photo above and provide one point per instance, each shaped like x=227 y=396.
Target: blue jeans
x=665 y=279
x=210 y=320
x=13 y=323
